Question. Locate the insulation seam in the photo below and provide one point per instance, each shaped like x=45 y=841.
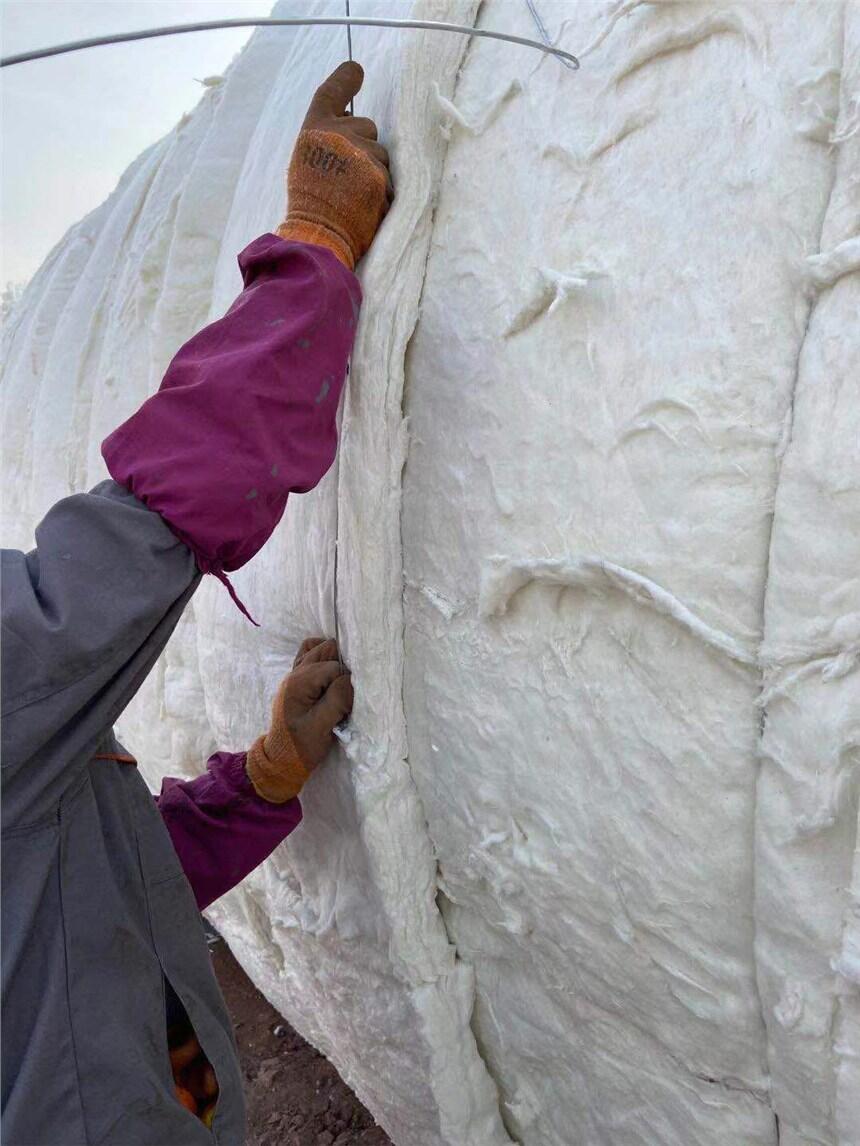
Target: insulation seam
x=762 y=722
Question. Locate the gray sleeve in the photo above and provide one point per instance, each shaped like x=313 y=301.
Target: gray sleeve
x=84 y=617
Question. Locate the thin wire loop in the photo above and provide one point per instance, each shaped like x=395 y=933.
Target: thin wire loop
x=573 y=63
x=287 y=22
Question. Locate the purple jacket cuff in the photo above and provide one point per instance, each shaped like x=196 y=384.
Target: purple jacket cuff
x=221 y=829
x=246 y=412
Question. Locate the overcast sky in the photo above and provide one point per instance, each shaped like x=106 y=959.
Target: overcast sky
x=70 y=125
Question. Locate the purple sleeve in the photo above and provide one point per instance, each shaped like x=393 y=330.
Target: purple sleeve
x=221 y=829
x=246 y=413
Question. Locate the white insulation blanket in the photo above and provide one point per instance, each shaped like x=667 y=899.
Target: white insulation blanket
x=586 y=873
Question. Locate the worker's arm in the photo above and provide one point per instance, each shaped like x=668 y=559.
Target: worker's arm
x=246 y=411
x=220 y=828
x=85 y=615
x=245 y=415
x=224 y=823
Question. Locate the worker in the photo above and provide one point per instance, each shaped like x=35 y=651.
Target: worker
x=103 y=941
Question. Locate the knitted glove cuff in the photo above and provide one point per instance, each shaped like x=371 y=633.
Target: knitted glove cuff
x=301 y=231
x=275 y=767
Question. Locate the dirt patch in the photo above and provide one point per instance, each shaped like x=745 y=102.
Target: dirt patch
x=295 y=1097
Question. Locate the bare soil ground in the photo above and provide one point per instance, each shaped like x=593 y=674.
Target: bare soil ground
x=295 y=1097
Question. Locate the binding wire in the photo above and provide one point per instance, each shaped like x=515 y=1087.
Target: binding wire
x=337 y=476
x=349 y=52
x=572 y=62
x=288 y=22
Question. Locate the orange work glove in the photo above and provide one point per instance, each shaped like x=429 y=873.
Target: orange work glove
x=338 y=184
x=315 y=697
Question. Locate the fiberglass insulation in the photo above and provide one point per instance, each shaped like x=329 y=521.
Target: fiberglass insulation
x=586 y=872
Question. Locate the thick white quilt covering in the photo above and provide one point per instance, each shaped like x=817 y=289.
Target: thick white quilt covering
x=586 y=872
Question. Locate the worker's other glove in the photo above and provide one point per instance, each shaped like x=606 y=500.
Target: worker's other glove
x=315 y=697
x=338 y=184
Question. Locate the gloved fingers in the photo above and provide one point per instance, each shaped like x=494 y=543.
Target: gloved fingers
x=333 y=95
x=380 y=166
x=305 y=647
x=334 y=705
x=320 y=649
x=389 y=186
x=361 y=125
x=306 y=684
x=376 y=151
x=339 y=185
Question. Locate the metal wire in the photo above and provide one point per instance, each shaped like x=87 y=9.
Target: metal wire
x=335 y=563
x=349 y=42
x=337 y=543
x=544 y=35
x=349 y=52
x=291 y=22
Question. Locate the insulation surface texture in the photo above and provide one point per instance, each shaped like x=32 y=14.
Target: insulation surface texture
x=586 y=871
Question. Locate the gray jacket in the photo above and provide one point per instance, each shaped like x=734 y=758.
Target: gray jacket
x=96 y=910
